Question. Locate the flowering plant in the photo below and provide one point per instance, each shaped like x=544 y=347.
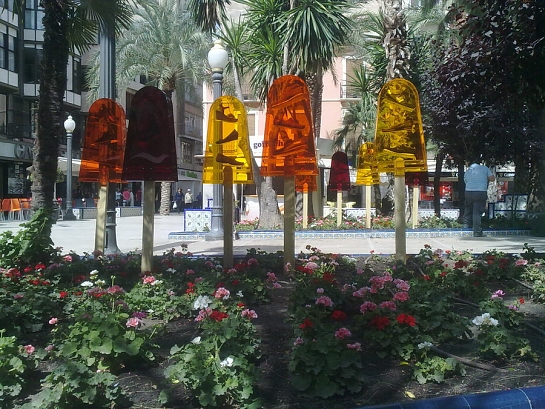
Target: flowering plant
x=218 y=365
x=100 y=329
x=15 y=363
x=154 y=296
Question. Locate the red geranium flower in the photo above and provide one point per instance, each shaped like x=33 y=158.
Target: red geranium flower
x=406 y=319
x=380 y=322
x=218 y=315
x=338 y=315
x=63 y=294
x=306 y=324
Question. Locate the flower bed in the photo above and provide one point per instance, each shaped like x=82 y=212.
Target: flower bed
x=81 y=323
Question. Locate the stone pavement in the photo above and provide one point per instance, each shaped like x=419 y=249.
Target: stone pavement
x=78 y=236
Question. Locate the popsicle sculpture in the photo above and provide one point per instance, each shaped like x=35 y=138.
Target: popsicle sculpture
x=227 y=159
x=289 y=148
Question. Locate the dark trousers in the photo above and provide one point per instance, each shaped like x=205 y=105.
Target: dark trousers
x=474 y=208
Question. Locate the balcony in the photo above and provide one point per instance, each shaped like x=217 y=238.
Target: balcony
x=348 y=92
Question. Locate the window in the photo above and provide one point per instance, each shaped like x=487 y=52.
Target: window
x=77 y=80
x=186 y=151
x=33 y=15
x=7 y=4
x=32 y=66
x=8 y=51
x=3 y=113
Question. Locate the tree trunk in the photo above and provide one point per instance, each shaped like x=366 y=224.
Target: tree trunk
x=164 y=208
x=437 y=183
x=269 y=214
x=50 y=105
x=165 y=203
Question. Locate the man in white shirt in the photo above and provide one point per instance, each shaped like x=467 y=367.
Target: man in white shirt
x=476 y=178
x=188 y=199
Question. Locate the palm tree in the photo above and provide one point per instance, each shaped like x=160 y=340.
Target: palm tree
x=165 y=45
x=68 y=25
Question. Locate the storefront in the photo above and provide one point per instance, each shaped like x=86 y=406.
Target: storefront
x=15 y=158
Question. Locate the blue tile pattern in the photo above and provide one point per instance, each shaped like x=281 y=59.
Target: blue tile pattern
x=350 y=234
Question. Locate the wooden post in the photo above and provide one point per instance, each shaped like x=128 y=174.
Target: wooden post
x=305 y=205
x=228 y=217
x=339 y=205
x=148 y=225
x=415 y=206
x=399 y=209
x=289 y=220
x=368 y=206
x=100 y=224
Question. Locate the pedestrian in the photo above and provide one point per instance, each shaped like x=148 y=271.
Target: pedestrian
x=131 y=200
x=476 y=178
x=199 y=200
x=118 y=197
x=126 y=197
x=188 y=199
x=178 y=200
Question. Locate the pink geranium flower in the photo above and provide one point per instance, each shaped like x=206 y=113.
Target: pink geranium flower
x=148 y=279
x=133 y=322
x=29 y=349
x=249 y=314
x=324 y=300
x=53 y=321
x=342 y=333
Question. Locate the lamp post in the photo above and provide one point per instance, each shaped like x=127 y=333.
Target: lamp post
x=218 y=59
x=69 y=126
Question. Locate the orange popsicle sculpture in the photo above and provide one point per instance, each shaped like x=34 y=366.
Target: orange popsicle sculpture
x=289 y=130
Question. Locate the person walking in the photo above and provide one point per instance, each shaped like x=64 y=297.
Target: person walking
x=476 y=178
x=188 y=199
x=178 y=199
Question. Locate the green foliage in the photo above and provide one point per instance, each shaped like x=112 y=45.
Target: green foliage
x=102 y=333
x=434 y=222
x=15 y=365
x=218 y=366
x=322 y=365
x=72 y=384
x=538 y=225
x=156 y=298
x=30 y=245
x=247 y=225
x=436 y=369
x=27 y=299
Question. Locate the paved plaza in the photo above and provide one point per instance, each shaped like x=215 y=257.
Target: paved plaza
x=79 y=236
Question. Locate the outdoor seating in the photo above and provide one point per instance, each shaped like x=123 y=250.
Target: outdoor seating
x=26 y=208
x=6 y=209
x=16 y=211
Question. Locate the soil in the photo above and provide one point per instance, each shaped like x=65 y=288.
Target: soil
x=386 y=381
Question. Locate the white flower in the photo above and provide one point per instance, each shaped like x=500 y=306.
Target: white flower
x=157 y=282
x=425 y=344
x=170 y=270
x=227 y=362
x=202 y=302
x=196 y=340
x=87 y=284
x=100 y=282
x=93 y=273
x=239 y=294
x=485 y=319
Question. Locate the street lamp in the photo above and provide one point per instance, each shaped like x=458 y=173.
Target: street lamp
x=218 y=59
x=69 y=126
